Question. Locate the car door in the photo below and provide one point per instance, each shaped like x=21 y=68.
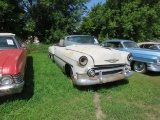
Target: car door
x=59 y=52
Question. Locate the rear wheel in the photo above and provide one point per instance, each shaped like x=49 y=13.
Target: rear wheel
x=51 y=56
x=140 y=67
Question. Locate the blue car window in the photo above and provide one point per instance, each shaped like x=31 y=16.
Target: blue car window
x=130 y=45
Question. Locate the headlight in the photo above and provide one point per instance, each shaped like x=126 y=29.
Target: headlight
x=83 y=60
x=130 y=57
x=6 y=80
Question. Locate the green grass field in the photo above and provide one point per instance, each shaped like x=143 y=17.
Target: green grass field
x=49 y=94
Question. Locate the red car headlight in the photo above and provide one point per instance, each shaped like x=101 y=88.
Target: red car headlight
x=6 y=80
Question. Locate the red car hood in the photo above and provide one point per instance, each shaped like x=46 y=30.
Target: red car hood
x=10 y=62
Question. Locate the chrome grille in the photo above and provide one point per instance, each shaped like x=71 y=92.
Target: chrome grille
x=108 y=66
x=18 y=78
x=108 y=69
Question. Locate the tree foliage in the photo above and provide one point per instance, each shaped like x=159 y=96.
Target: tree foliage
x=137 y=20
x=50 y=20
x=11 y=16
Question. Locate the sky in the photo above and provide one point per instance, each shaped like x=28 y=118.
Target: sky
x=94 y=2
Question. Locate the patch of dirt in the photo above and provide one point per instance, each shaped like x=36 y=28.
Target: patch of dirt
x=99 y=113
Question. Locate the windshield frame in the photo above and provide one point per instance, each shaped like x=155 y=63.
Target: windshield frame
x=80 y=40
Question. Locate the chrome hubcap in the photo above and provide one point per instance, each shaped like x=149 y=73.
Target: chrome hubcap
x=139 y=66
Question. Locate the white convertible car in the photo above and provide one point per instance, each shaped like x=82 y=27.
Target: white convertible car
x=88 y=63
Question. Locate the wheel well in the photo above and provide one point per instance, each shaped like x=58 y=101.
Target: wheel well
x=67 y=69
x=131 y=64
x=49 y=55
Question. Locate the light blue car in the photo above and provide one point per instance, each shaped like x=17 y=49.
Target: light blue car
x=143 y=59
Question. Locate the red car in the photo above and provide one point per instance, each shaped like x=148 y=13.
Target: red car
x=13 y=56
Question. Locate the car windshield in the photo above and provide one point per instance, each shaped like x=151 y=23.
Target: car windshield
x=77 y=40
x=130 y=45
x=7 y=43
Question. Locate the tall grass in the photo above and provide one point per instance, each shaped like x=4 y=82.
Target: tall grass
x=49 y=94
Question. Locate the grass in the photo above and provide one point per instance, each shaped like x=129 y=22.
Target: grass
x=49 y=94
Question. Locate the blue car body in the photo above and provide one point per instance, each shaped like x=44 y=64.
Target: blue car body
x=148 y=59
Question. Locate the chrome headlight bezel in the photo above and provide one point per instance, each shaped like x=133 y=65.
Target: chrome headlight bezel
x=130 y=57
x=6 y=80
x=83 y=60
x=91 y=73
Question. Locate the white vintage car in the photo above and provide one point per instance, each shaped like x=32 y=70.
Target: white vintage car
x=88 y=63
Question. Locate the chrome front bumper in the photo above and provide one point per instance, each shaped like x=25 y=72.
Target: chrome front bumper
x=11 y=89
x=100 y=78
x=153 y=67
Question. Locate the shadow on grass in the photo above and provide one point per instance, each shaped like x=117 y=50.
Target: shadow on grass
x=28 y=89
x=151 y=73
x=103 y=86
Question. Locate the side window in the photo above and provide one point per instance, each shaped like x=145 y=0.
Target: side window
x=147 y=46
x=155 y=47
x=120 y=45
x=113 y=44
x=106 y=44
x=116 y=45
x=141 y=46
x=158 y=46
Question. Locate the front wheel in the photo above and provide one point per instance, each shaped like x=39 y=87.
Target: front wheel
x=140 y=67
x=71 y=74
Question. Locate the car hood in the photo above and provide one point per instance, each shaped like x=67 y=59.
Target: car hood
x=9 y=61
x=99 y=54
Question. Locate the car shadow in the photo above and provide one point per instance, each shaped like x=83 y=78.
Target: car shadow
x=152 y=73
x=28 y=89
x=109 y=85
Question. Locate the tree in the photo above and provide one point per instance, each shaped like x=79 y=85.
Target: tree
x=137 y=20
x=52 y=19
x=11 y=17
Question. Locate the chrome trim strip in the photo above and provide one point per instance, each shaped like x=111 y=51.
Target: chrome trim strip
x=103 y=75
x=102 y=79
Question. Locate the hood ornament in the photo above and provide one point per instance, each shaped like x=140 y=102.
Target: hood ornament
x=112 y=60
